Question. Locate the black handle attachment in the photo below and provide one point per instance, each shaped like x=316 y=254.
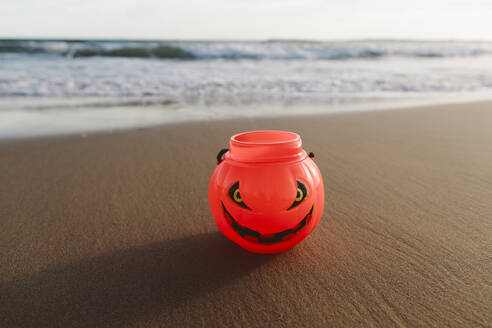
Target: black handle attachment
x=221 y=154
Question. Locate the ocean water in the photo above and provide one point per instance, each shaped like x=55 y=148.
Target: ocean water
x=57 y=86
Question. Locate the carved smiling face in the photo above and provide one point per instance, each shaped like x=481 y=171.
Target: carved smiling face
x=270 y=237
x=266 y=208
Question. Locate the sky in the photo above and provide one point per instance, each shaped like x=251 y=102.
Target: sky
x=247 y=19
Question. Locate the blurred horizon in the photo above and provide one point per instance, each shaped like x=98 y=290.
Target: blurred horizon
x=124 y=39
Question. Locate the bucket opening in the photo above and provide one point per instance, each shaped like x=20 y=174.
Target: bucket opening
x=265 y=137
x=266 y=146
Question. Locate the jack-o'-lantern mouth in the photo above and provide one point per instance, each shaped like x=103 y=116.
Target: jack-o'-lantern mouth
x=263 y=238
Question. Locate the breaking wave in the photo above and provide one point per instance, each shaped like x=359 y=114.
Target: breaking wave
x=237 y=50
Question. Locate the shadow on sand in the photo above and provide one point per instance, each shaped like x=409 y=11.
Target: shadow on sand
x=123 y=287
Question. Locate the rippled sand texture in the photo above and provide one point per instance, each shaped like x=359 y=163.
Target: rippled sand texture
x=114 y=229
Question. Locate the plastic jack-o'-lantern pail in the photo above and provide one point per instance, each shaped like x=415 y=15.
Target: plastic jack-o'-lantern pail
x=266 y=193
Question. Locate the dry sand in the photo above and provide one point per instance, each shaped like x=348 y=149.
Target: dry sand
x=114 y=230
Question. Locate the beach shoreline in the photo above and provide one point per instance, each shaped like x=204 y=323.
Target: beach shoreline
x=113 y=229
x=53 y=120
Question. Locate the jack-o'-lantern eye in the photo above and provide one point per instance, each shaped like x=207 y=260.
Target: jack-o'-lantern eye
x=300 y=195
x=236 y=195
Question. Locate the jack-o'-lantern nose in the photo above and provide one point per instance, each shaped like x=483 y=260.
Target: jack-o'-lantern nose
x=269 y=192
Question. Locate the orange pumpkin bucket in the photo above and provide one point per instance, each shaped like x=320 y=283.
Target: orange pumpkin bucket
x=266 y=193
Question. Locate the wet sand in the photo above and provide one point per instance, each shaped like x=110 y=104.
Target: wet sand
x=114 y=230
